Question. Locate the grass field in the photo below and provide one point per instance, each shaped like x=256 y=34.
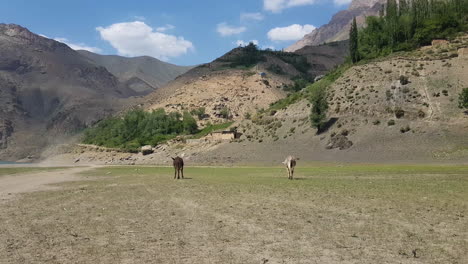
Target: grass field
x=13 y=170
x=329 y=214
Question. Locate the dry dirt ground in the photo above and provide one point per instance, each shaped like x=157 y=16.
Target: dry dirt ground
x=329 y=214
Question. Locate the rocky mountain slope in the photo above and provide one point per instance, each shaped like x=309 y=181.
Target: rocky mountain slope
x=141 y=74
x=402 y=109
x=48 y=90
x=338 y=27
x=242 y=90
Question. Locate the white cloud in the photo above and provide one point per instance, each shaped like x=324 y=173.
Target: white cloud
x=268 y=47
x=277 y=6
x=252 y=16
x=165 y=28
x=292 y=32
x=77 y=46
x=341 y=2
x=245 y=43
x=137 y=39
x=226 y=30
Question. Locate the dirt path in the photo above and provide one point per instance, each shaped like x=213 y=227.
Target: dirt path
x=38 y=181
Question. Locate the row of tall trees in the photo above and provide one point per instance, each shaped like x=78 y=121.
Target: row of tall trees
x=407 y=24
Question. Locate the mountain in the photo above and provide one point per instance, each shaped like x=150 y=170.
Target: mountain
x=338 y=27
x=141 y=74
x=48 y=91
x=240 y=88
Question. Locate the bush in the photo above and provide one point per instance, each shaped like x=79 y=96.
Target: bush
x=399 y=113
x=421 y=114
x=376 y=122
x=199 y=112
x=405 y=129
x=391 y=122
x=403 y=80
x=225 y=113
x=463 y=99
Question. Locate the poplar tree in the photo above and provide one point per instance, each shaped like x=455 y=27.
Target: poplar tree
x=353 y=42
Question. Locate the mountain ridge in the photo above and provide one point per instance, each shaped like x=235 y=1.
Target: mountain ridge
x=338 y=27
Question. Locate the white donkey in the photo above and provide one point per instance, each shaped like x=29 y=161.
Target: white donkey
x=290 y=163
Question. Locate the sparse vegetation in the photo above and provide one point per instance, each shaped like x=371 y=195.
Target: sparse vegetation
x=391 y=122
x=225 y=113
x=275 y=68
x=211 y=128
x=199 y=112
x=247 y=57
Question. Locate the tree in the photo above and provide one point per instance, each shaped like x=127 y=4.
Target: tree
x=463 y=99
x=353 y=42
x=189 y=123
x=318 y=112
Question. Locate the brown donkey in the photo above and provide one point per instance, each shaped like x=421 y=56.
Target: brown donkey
x=178 y=163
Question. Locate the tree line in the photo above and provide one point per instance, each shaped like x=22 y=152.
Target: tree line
x=137 y=128
x=405 y=25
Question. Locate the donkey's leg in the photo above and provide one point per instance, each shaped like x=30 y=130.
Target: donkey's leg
x=175 y=173
x=182 y=170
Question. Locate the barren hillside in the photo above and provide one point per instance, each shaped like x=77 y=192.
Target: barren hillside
x=399 y=109
x=48 y=90
x=217 y=86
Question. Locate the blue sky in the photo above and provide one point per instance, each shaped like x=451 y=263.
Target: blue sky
x=182 y=32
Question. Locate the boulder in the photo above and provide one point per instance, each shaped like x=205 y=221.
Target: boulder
x=146 y=150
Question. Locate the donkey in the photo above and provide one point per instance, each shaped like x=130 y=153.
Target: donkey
x=178 y=163
x=290 y=163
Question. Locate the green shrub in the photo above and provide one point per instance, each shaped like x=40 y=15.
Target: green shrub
x=463 y=99
x=391 y=122
x=403 y=80
x=399 y=113
x=199 y=112
x=225 y=113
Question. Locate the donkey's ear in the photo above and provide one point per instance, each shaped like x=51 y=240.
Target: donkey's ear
x=172 y=158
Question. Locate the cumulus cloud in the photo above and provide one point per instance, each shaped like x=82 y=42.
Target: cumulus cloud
x=289 y=33
x=165 y=28
x=137 y=39
x=77 y=46
x=251 y=16
x=277 y=6
x=226 y=30
x=242 y=43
